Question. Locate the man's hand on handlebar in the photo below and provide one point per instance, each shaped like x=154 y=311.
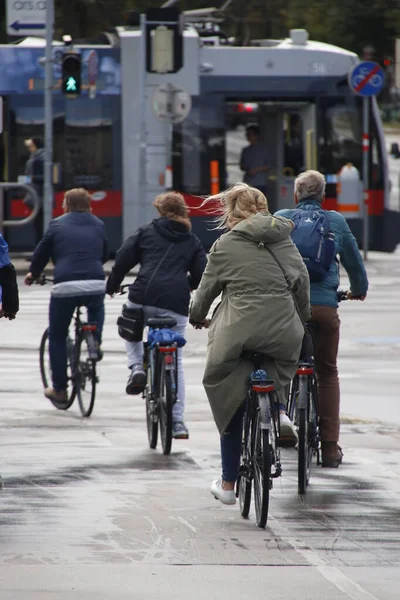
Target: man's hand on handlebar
x=350 y=296
x=204 y=324
x=29 y=279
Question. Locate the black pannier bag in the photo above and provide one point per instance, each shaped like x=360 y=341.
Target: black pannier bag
x=131 y=324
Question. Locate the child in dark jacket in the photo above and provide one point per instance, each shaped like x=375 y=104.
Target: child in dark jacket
x=9 y=300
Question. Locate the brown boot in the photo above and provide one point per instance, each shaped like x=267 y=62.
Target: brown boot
x=59 y=396
x=332 y=455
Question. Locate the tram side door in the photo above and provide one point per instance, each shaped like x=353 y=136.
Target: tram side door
x=298 y=150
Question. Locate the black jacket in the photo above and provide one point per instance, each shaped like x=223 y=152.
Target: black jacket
x=77 y=245
x=166 y=252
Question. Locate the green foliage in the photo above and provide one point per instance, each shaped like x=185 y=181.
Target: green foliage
x=352 y=24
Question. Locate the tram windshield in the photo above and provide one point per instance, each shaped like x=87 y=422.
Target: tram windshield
x=296 y=135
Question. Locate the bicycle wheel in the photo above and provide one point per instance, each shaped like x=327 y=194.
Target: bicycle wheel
x=45 y=369
x=243 y=486
x=165 y=403
x=261 y=454
x=151 y=411
x=305 y=448
x=85 y=378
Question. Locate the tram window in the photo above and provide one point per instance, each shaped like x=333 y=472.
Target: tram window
x=90 y=158
x=198 y=140
x=340 y=138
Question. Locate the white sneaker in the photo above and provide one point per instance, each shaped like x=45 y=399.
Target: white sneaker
x=225 y=496
x=288 y=432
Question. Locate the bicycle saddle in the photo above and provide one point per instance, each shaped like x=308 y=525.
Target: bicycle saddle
x=161 y=322
x=255 y=357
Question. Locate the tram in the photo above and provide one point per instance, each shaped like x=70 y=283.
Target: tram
x=110 y=141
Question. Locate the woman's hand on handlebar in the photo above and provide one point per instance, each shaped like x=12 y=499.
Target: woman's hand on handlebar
x=203 y=324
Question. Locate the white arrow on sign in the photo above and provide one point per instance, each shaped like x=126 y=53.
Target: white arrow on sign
x=26 y=17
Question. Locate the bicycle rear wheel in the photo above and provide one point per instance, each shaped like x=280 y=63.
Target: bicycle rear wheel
x=261 y=454
x=151 y=411
x=243 y=486
x=165 y=403
x=305 y=446
x=85 y=377
x=45 y=369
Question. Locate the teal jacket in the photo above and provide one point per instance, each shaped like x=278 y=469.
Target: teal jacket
x=324 y=292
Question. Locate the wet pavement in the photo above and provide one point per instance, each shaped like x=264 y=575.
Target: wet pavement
x=88 y=511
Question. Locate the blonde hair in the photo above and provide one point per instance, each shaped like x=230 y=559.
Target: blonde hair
x=173 y=206
x=77 y=200
x=237 y=203
x=310 y=184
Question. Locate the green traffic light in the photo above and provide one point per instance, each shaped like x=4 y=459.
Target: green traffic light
x=71 y=85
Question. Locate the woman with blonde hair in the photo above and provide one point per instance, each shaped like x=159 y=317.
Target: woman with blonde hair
x=262 y=309
x=167 y=251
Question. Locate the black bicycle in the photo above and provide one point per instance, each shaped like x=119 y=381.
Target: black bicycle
x=260 y=455
x=303 y=404
x=303 y=410
x=160 y=361
x=82 y=358
x=160 y=393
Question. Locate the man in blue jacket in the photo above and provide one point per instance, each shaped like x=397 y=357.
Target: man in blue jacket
x=77 y=245
x=309 y=193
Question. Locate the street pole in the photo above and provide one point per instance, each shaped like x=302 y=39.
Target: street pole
x=143 y=119
x=365 y=168
x=48 y=117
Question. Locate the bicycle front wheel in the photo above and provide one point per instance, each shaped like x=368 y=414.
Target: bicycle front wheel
x=166 y=401
x=261 y=453
x=45 y=369
x=85 y=377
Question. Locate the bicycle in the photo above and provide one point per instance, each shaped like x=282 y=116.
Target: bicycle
x=260 y=455
x=82 y=357
x=303 y=411
x=303 y=405
x=160 y=361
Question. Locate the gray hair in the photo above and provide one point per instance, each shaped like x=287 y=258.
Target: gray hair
x=310 y=184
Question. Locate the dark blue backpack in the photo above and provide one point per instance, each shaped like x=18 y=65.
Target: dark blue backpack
x=314 y=241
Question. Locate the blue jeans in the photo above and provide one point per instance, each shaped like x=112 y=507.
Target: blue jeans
x=60 y=315
x=231 y=444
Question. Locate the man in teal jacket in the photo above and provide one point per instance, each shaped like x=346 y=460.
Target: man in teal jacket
x=309 y=193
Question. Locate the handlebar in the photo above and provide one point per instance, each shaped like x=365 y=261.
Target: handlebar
x=43 y=279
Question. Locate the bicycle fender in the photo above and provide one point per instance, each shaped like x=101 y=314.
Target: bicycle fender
x=265 y=414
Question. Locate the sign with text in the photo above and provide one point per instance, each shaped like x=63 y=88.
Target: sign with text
x=26 y=17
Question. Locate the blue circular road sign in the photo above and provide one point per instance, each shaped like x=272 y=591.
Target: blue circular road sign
x=367 y=78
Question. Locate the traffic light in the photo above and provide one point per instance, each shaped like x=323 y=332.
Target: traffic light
x=164 y=40
x=71 y=74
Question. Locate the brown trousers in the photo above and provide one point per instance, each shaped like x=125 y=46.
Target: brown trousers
x=326 y=345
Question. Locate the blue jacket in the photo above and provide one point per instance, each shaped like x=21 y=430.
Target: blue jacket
x=324 y=292
x=167 y=252
x=77 y=245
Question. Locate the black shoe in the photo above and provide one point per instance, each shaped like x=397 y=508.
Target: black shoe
x=136 y=381
x=332 y=455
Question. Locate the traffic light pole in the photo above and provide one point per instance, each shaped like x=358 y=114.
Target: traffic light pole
x=48 y=116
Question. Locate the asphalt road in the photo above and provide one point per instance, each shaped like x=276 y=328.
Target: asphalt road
x=88 y=511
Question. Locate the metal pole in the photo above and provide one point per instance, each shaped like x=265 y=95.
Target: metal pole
x=168 y=138
x=365 y=165
x=142 y=116
x=48 y=117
